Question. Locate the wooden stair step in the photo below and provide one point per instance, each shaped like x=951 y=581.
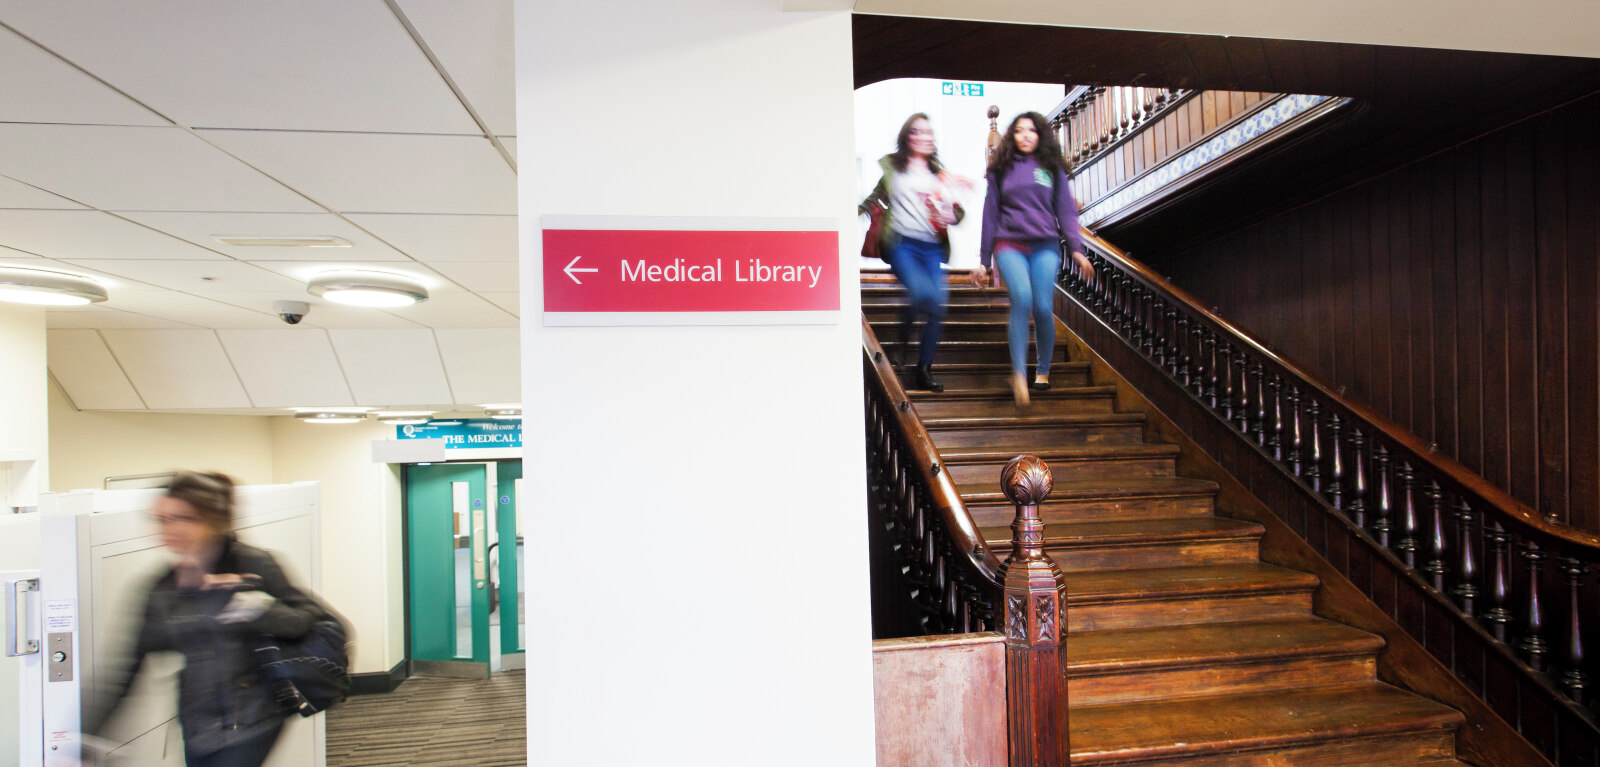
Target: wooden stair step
x=1096 y=500
x=1175 y=596
x=997 y=375
x=893 y=293
x=1144 y=544
x=1126 y=665
x=977 y=465
x=995 y=401
x=1003 y=432
x=994 y=351
x=959 y=327
x=1371 y=724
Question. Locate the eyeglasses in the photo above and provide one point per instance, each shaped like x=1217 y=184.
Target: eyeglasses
x=175 y=519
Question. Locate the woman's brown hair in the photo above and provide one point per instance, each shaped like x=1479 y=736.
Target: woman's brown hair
x=902 y=146
x=210 y=493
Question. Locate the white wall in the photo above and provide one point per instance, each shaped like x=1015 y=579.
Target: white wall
x=700 y=490
x=361 y=555
x=961 y=128
x=1560 y=27
x=88 y=446
x=23 y=425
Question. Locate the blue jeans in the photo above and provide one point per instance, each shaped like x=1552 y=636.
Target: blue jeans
x=916 y=264
x=1031 y=283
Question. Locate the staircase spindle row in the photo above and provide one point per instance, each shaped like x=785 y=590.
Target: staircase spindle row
x=1433 y=516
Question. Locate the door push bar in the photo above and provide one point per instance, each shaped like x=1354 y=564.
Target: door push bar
x=17 y=618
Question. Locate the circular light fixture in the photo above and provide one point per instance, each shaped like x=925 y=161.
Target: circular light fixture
x=359 y=287
x=405 y=419
x=43 y=287
x=330 y=416
x=503 y=412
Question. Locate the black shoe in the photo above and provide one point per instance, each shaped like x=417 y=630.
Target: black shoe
x=1040 y=386
x=925 y=380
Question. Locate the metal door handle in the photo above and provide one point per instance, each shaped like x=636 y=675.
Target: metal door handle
x=17 y=622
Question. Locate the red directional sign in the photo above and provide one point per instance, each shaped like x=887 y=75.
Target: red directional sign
x=665 y=272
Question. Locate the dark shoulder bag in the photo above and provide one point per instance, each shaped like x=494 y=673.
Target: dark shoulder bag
x=311 y=673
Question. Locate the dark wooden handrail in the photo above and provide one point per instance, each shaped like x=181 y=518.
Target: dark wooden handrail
x=946 y=499
x=1511 y=509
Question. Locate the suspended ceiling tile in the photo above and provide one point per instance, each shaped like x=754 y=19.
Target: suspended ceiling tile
x=44 y=89
x=90 y=234
x=192 y=310
x=202 y=228
x=484 y=365
x=84 y=367
x=288 y=64
x=473 y=42
x=103 y=318
x=480 y=276
x=392 y=368
x=290 y=367
x=382 y=173
x=177 y=369
x=9 y=257
x=138 y=168
x=15 y=194
x=511 y=302
x=434 y=239
x=457 y=310
x=323 y=314
x=196 y=277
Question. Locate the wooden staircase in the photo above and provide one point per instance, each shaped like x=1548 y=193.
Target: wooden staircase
x=1183 y=647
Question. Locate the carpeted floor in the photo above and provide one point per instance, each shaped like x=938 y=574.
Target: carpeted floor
x=428 y=721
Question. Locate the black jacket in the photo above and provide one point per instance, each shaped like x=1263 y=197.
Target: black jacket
x=221 y=700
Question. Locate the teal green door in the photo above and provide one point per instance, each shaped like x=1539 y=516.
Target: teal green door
x=509 y=560
x=447 y=541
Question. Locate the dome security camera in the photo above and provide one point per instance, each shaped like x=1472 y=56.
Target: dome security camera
x=291 y=312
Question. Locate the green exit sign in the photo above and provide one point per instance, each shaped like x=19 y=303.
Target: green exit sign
x=962 y=89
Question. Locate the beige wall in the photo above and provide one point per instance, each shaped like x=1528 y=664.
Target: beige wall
x=361 y=551
x=24 y=434
x=88 y=446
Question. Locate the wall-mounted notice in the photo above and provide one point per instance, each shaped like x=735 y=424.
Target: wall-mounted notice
x=949 y=88
x=601 y=270
x=465 y=433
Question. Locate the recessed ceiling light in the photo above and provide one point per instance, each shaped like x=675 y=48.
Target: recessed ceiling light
x=503 y=412
x=405 y=419
x=283 y=240
x=43 y=287
x=359 y=287
x=329 y=416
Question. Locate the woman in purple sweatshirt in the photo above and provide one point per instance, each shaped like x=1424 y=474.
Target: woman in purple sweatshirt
x=1027 y=214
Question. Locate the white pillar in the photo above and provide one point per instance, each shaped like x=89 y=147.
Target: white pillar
x=24 y=404
x=697 y=565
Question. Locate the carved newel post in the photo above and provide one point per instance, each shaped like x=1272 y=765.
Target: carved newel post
x=1035 y=625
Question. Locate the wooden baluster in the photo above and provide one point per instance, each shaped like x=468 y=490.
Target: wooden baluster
x=1574 y=681
x=1336 y=464
x=1406 y=547
x=1438 y=544
x=1296 y=444
x=1209 y=392
x=1170 y=333
x=1035 y=620
x=1182 y=351
x=1124 y=292
x=1383 y=524
x=1158 y=325
x=1149 y=317
x=1107 y=120
x=1241 y=414
x=1258 y=385
x=1466 y=590
x=1119 y=98
x=1533 y=645
x=1275 y=435
x=1136 y=316
x=1314 y=458
x=1358 y=501
x=1498 y=542
x=1225 y=396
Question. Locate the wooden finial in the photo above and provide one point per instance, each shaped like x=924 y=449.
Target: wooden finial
x=994 y=112
x=1026 y=480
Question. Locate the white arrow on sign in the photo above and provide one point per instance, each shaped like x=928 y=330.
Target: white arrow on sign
x=569 y=270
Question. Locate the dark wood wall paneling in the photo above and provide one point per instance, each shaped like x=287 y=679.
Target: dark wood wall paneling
x=1459 y=295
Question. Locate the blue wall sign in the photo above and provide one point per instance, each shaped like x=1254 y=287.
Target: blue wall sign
x=466 y=433
x=949 y=88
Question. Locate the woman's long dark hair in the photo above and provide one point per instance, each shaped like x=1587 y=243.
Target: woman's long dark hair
x=902 y=144
x=1047 y=153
